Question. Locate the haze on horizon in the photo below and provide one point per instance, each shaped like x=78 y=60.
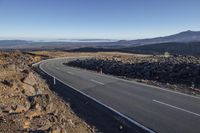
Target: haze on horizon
x=92 y=19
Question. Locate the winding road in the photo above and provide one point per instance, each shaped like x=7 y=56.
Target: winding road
x=153 y=109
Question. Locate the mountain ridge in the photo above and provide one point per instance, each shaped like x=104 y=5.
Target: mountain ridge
x=184 y=37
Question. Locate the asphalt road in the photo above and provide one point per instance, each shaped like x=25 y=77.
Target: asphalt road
x=156 y=109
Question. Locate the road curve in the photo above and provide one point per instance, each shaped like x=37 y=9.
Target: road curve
x=152 y=108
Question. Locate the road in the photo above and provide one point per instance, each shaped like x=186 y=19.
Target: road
x=154 y=109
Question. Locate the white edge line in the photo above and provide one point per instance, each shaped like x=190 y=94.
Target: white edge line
x=110 y=76
x=117 y=112
x=184 y=110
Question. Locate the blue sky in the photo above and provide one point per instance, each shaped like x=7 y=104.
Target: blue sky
x=106 y=19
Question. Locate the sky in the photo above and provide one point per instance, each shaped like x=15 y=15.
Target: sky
x=96 y=19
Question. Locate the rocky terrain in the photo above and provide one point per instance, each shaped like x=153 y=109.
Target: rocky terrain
x=175 y=72
x=26 y=102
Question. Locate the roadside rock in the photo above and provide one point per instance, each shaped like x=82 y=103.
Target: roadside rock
x=18 y=109
x=8 y=82
x=173 y=70
x=26 y=102
x=6 y=109
x=39 y=102
x=28 y=90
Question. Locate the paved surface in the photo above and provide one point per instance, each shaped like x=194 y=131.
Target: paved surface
x=158 y=109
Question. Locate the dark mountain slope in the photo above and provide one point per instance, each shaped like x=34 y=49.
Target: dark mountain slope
x=187 y=36
x=174 y=48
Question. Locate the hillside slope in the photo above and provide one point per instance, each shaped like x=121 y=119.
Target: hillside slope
x=26 y=102
x=186 y=36
x=174 y=48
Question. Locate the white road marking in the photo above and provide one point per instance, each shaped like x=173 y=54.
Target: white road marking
x=106 y=106
x=70 y=73
x=97 y=81
x=57 y=68
x=138 y=83
x=117 y=78
x=67 y=71
x=184 y=110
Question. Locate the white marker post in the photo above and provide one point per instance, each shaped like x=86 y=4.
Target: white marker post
x=54 y=80
x=101 y=71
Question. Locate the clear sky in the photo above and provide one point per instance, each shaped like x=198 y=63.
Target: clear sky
x=106 y=19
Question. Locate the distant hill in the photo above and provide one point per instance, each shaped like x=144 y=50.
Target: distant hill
x=13 y=42
x=191 y=48
x=186 y=36
x=182 y=43
x=63 y=45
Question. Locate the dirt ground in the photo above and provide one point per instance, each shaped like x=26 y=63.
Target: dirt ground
x=54 y=54
x=26 y=102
